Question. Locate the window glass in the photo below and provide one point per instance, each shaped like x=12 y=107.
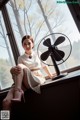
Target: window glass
x=42 y=17
x=6 y=58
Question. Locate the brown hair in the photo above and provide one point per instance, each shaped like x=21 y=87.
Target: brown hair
x=27 y=37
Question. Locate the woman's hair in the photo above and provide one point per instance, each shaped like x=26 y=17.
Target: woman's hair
x=27 y=37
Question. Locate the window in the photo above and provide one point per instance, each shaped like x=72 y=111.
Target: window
x=6 y=57
x=40 y=18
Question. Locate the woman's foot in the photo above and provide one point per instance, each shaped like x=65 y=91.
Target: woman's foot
x=18 y=95
x=6 y=103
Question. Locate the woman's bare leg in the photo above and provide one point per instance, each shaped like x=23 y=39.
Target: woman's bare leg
x=6 y=104
x=18 y=84
x=25 y=79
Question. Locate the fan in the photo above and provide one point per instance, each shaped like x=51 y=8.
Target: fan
x=55 y=49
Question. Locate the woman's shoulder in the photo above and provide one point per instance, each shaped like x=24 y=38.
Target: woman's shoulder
x=21 y=56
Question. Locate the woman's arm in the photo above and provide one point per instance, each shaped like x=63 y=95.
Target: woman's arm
x=46 y=69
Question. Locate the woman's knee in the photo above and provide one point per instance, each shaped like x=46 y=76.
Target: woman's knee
x=14 y=76
x=22 y=66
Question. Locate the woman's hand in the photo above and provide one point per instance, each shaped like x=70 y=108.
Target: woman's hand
x=50 y=75
x=15 y=70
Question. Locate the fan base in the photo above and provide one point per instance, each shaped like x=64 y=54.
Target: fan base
x=60 y=76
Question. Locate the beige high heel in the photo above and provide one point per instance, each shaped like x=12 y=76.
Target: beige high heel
x=20 y=97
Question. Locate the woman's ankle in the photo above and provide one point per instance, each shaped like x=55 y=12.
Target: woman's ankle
x=18 y=92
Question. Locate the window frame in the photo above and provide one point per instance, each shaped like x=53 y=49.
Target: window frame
x=73 y=10
x=2 y=3
x=10 y=33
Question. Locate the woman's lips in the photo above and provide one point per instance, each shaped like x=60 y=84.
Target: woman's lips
x=27 y=48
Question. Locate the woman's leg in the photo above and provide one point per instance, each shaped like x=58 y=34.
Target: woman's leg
x=18 y=92
x=25 y=79
x=6 y=104
x=13 y=93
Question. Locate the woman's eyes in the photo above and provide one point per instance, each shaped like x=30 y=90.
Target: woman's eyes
x=28 y=43
x=25 y=44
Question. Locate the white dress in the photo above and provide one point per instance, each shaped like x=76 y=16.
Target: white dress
x=35 y=77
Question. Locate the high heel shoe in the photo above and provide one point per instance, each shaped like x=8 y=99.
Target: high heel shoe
x=18 y=95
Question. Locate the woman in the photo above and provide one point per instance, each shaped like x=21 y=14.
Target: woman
x=28 y=72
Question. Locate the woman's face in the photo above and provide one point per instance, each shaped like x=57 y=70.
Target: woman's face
x=27 y=45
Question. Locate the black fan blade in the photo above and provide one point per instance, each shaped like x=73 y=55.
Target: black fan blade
x=59 y=40
x=58 y=54
x=47 y=42
x=45 y=55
